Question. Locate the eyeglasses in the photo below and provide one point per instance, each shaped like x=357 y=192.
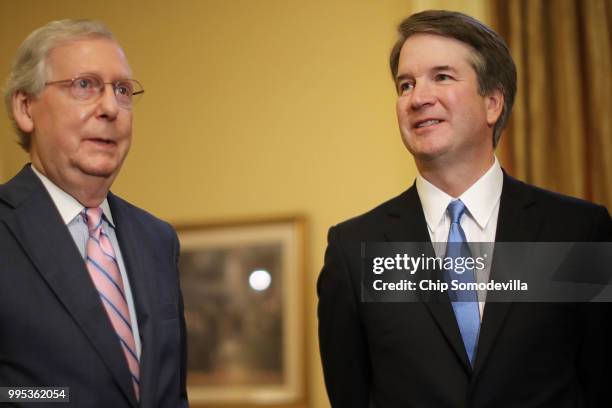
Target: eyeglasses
x=89 y=88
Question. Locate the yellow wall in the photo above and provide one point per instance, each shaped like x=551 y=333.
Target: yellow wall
x=252 y=108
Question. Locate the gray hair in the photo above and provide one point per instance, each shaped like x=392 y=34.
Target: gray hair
x=29 y=71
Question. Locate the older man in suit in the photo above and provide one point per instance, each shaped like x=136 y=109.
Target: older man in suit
x=456 y=83
x=89 y=286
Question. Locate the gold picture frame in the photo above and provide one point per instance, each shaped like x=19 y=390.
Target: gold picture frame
x=242 y=284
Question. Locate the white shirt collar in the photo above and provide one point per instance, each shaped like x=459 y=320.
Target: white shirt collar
x=67 y=205
x=480 y=199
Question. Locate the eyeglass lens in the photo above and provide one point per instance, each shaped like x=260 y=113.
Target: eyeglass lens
x=90 y=87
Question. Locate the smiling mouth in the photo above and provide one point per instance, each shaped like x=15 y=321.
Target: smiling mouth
x=426 y=123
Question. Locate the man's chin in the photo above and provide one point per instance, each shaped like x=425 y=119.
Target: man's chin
x=105 y=171
x=427 y=149
x=97 y=165
x=429 y=153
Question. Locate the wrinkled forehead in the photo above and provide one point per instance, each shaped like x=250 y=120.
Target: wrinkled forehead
x=92 y=54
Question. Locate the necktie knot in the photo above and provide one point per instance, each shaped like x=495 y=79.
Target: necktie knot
x=455 y=210
x=92 y=217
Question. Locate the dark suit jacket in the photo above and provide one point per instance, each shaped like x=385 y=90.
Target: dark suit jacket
x=405 y=355
x=53 y=328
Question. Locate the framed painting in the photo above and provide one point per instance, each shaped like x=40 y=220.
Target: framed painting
x=242 y=286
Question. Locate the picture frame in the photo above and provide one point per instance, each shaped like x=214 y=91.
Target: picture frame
x=242 y=284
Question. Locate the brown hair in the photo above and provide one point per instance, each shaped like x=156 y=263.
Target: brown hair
x=491 y=60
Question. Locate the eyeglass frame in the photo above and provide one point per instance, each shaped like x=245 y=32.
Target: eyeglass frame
x=101 y=89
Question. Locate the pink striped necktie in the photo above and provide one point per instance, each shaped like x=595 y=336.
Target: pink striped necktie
x=104 y=271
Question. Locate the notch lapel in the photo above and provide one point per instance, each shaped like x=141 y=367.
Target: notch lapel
x=40 y=230
x=406 y=223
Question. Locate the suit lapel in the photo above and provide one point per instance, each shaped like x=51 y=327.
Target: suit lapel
x=139 y=266
x=514 y=224
x=38 y=227
x=406 y=223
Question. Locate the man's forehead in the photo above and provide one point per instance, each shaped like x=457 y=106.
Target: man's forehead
x=434 y=52
x=89 y=54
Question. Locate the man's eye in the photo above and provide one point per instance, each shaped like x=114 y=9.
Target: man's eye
x=405 y=86
x=443 y=77
x=85 y=83
x=124 y=88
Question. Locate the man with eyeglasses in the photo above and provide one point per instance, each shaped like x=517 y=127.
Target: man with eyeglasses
x=89 y=290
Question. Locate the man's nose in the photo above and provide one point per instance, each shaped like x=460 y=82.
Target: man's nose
x=422 y=95
x=107 y=105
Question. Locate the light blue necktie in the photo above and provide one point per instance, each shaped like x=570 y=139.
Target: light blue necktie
x=464 y=302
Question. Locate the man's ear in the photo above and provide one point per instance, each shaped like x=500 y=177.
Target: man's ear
x=21 y=112
x=494 y=103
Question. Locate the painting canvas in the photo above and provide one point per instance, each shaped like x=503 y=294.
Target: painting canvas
x=242 y=285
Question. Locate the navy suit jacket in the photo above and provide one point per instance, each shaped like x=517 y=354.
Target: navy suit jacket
x=410 y=355
x=53 y=328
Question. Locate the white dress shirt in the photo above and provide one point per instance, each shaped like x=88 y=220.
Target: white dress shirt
x=480 y=220
x=70 y=210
